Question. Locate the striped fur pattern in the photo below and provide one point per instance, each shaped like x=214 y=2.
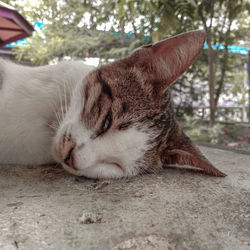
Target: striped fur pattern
x=120 y=121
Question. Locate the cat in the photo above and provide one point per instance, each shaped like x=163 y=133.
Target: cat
x=113 y=121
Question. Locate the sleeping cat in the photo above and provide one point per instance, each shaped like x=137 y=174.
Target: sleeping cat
x=110 y=122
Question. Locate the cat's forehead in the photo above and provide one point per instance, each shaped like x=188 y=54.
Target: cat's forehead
x=122 y=86
x=123 y=82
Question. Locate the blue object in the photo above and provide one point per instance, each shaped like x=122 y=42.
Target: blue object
x=231 y=48
x=37 y=26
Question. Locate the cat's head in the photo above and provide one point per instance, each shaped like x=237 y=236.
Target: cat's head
x=120 y=121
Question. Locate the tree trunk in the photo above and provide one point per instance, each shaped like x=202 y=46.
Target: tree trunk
x=211 y=58
x=222 y=75
x=122 y=33
x=211 y=64
x=248 y=71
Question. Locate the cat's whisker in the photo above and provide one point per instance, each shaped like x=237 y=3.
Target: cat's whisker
x=70 y=89
x=58 y=105
x=53 y=126
x=49 y=133
x=61 y=104
x=58 y=119
x=54 y=108
x=65 y=98
x=149 y=169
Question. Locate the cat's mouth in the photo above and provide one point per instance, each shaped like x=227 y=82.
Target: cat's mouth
x=73 y=169
x=113 y=163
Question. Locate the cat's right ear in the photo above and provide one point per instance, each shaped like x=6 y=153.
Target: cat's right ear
x=162 y=63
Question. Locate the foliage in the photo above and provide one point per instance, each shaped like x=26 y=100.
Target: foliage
x=200 y=132
x=108 y=29
x=232 y=135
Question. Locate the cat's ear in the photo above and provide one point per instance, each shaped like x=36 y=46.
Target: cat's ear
x=166 y=60
x=183 y=152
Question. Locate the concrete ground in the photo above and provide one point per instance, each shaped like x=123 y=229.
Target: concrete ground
x=46 y=208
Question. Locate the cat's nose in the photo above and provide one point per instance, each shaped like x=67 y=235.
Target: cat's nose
x=69 y=160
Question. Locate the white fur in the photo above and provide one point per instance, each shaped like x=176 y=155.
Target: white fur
x=29 y=98
x=95 y=158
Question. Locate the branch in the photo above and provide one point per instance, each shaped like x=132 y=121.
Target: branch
x=222 y=27
x=200 y=13
x=223 y=66
x=134 y=27
x=211 y=13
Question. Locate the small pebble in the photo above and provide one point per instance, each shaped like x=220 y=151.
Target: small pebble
x=88 y=218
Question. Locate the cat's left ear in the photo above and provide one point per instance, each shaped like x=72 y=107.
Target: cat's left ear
x=166 y=60
x=182 y=151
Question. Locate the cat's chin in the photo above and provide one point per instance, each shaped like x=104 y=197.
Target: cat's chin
x=99 y=171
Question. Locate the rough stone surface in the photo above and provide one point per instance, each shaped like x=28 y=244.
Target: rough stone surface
x=46 y=208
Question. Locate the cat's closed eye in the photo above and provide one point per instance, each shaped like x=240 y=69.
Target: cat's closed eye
x=107 y=122
x=124 y=126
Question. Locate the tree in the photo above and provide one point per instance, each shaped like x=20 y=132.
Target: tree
x=106 y=29
x=112 y=29
x=217 y=18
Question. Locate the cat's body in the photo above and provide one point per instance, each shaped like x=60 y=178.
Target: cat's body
x=29 y=97
x=118 y=121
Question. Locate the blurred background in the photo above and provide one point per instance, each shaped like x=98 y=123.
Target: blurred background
x=211 y=100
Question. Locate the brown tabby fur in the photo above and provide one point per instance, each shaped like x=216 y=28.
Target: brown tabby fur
x=134 y=92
